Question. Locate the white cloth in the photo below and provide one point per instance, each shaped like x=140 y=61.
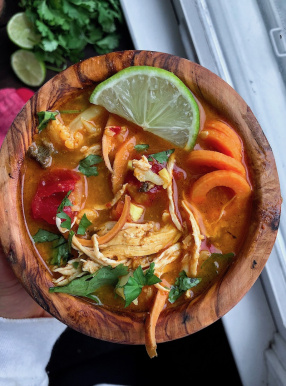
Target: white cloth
x=25 y=350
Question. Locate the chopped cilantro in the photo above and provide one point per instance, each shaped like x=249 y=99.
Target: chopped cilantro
x=66 y=224
x=65 y=202
x=43 y=236
x=86 y=285
x=60 y=253
x=66 y=27
x=45 y=117
x=161 y=157
x=86 y=166
x=135 y=283
x=182 y=284
x=141 y=147
x=84 y=223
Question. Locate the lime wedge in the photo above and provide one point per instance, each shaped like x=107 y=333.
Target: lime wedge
x=28 y=68
x=21 y=31
x=153 y=98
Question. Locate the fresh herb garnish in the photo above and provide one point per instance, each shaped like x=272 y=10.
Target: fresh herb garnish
x=182 y=284
x=135 y=283
x=66 y=224
x=86 y=166
x=67 y=27
x=66 y=202
x=43 y=236
x=45 y=117
x=62 y=215
x=161 y=157
x=141 y=147
x=86 y=285
x=60 y=253
x=84 y=223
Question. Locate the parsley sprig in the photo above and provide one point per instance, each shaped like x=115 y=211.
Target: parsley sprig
x=132 y=289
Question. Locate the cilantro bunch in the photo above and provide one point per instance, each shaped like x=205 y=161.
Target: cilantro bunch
x=66 y=27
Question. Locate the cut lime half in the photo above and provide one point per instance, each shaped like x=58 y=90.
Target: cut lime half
x=21 y=31
x=153 y=98
x=28 y=68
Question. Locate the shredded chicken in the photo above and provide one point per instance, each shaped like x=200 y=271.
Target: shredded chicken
x=142 y=171
x=172 y=209
x=191 y=245
x=134 y=241
x=94 y=149
x=69 y=272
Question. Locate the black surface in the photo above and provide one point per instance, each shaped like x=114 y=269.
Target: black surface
x=204 y=358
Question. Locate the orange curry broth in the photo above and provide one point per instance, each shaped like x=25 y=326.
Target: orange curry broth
x=231 y=226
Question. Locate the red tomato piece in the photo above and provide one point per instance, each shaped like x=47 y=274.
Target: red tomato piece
x=51 y=191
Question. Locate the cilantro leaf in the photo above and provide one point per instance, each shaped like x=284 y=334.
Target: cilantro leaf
x=86 y=285
x=67 y=220
x=45 y=117
x=182 y=284
x=135 y=283
x=60 y=253
x=141 y=147
x=84 y=223
x=43 y=236
x=161 y=157
x=86 y=166
x=65 y=202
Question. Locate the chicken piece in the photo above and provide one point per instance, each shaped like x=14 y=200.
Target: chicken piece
x=165 y=258
x=90 y=266
x=134 y=241
x=192 y=245
x=72 y=270
x=172 y=207
x=61 y=135
x=94 y=149
x=142 y=171
x=94 y=253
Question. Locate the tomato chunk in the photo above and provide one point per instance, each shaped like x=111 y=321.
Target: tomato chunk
x=52 y=189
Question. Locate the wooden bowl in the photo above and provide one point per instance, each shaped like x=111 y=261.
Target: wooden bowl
x=124 y=326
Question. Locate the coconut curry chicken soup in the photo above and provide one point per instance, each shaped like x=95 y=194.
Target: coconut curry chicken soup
x=127 y=218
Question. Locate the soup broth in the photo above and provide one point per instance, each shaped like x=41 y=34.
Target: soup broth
x=100 y=192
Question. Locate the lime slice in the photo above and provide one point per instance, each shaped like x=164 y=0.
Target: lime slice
x=21 y=31
x=28 y=68
x=153 y=98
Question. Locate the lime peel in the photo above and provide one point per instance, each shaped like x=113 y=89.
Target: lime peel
x=28 y=68
x=153 y=98
x=21 y=32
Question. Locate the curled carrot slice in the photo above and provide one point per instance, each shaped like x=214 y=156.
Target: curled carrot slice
x=115 y=230
x=225 y=129
x=151 y=322
x=215 y=159
x=120 y=164
x=225 y=178
x=222 y=143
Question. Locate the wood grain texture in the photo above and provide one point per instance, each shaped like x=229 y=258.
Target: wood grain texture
x=123 y=326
